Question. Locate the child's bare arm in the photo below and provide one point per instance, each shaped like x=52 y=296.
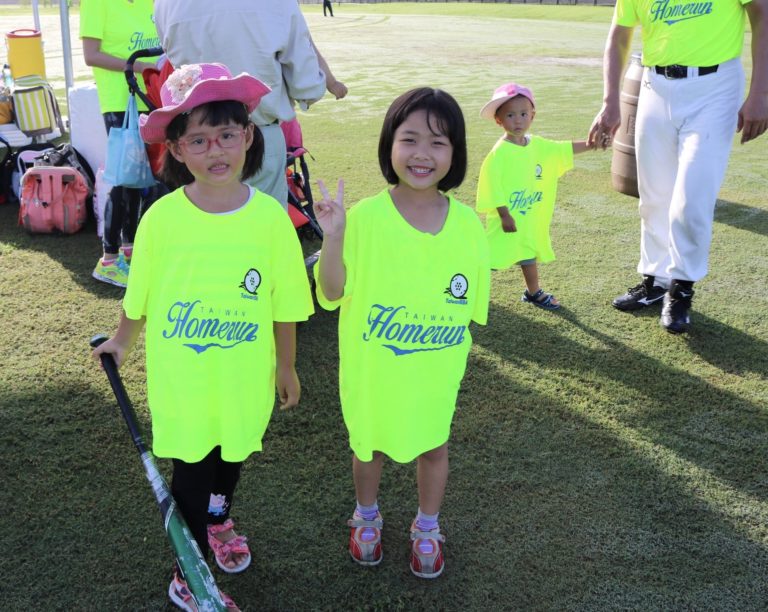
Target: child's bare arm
x=332 y=219
x=581 y=146
x=507 y=221
x=122 y=342
x=286 y=379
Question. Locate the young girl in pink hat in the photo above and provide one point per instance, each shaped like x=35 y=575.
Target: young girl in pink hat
x=218 y=280
x=517 y=189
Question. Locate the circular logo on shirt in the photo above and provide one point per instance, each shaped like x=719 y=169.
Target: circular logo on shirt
x=538 y=172
x=251 y=281
x=459 y=285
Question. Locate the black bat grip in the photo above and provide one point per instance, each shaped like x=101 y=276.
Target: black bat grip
x=193 y=566
x=123 y=401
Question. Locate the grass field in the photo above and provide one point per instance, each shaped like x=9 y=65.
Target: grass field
x=598 y=463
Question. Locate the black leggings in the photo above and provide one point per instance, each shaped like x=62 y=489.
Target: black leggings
x=194 y=483
x=121 y=214
x=327 y=5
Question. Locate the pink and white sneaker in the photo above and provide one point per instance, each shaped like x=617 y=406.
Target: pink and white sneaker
x=181 y=596
x=365 y=539
x=427 y=559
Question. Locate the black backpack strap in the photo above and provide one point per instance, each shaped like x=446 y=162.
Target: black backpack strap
x=8 y=150
x=6 y=171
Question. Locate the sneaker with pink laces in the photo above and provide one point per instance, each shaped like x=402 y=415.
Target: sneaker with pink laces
x=182 y=598
x=427 y=559
x=365 y=539
x=113 y=271
x=127 y=253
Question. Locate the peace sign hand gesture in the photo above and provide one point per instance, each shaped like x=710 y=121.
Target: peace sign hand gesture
x=330 y=212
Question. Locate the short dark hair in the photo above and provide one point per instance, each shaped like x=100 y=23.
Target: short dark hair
x=449 y=119
x=175 y=174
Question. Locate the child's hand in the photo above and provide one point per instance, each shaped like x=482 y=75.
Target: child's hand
x=508 y=224
x=330 y=213
x=112 y=347
x=288 y=387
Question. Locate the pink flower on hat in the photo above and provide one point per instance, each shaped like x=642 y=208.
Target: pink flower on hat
x=193 y=85
x=180 y=82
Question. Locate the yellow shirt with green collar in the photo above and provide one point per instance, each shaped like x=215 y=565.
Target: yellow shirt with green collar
x=210 y=287
x=123 y=27
x=524 y=179
x=404 y=333
x=686 y=32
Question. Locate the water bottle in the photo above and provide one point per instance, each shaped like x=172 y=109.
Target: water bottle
x=7 y=78
x=6 y=85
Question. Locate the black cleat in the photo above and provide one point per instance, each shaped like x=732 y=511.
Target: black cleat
x=644 y=294
x=677 y=303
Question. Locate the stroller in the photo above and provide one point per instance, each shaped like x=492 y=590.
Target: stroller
x=300 y=199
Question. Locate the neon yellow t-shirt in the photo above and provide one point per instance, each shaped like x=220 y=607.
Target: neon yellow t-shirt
x=122 y=27
x=403 y=327
x=525 y=180
x=686 y=32
x=211 y=287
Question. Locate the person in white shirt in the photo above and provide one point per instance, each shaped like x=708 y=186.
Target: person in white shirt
x=268 y=39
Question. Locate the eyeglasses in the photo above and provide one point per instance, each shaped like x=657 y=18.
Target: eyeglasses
x=228 y=139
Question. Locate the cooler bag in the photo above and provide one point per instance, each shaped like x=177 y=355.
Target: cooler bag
x=35 y=106
x=53 y=198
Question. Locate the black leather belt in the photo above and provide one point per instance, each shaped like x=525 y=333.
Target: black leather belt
x=681 y=72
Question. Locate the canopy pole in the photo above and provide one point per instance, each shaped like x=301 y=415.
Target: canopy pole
x=36 y=14
x=66 y=47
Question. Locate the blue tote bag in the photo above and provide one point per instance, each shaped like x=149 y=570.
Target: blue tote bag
x=127 y=163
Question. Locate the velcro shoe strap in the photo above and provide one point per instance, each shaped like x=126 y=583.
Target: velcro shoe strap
x=376 y=524
x=215 y=529
x=236 y=545
x=427 y=535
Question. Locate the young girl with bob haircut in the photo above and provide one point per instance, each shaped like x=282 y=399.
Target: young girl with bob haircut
x=409 y=269
x=219 y=280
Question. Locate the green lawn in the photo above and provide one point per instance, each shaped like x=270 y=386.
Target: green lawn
x=598 y=462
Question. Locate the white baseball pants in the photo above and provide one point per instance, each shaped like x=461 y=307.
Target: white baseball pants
x=683 y=136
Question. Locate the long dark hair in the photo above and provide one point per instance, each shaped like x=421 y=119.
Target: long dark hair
x=175 y=174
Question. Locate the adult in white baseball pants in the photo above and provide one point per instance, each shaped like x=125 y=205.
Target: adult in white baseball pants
x=689 y=109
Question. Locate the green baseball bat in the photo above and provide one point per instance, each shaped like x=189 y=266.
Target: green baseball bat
x=190 y=560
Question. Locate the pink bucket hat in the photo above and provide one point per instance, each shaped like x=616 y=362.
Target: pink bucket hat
x=501 y=95
x=194 y=84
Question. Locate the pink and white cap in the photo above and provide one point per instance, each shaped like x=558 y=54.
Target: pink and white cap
x=501 y=95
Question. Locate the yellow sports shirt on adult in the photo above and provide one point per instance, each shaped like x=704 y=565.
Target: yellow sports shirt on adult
x=690 y=33
x=210 y=287
x=524 y=179
x=403 y=328
x=122 y=27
